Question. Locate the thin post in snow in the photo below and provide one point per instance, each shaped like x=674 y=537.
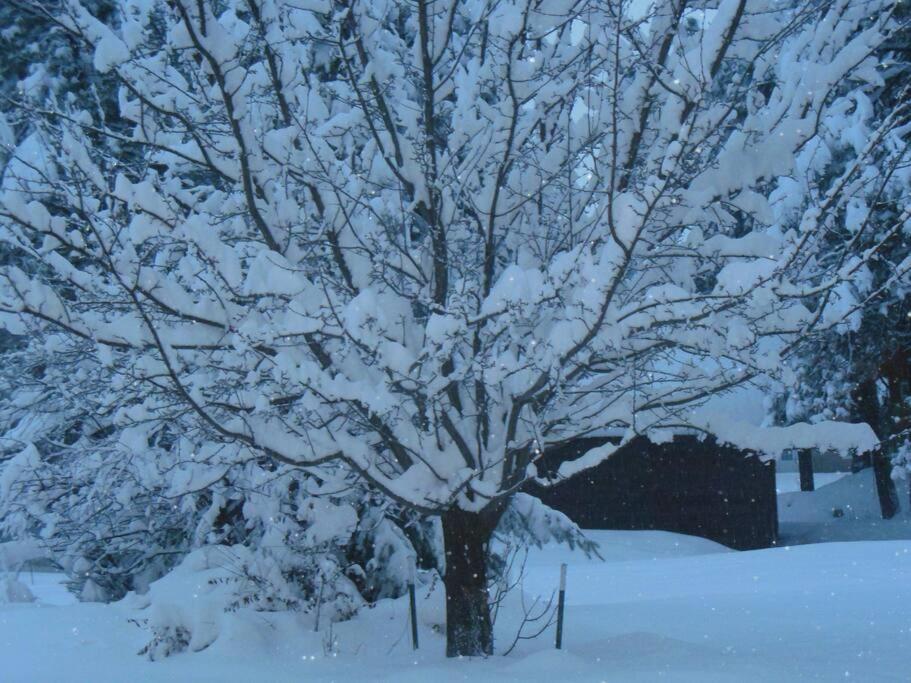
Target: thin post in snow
x=561 y=603
x=413 y=603
x=319 y=602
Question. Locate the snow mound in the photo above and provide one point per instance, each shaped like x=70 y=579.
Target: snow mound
x=625 y=546
x=193 y=605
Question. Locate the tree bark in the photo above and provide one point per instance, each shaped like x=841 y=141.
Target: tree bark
x=867 y=402
x=467 y=535
x=885 y=487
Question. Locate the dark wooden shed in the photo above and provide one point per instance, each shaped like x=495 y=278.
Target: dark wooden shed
x=690 y=485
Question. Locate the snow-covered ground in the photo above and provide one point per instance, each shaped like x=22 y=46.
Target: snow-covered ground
x=660 y=607
x=789 y=482
x=844 y=510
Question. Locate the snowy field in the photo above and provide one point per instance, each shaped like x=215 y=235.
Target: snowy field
x=660 y=607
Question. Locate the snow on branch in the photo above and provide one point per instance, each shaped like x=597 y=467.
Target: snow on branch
x=424 y=241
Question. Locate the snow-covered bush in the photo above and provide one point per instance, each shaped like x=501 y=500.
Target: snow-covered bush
x=187 y=609
x=116 y=508
x=115 y=526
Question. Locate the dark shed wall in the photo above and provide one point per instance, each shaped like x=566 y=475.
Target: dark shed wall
x=690 y=486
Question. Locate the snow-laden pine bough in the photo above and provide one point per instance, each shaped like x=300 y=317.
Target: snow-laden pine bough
x=427 y=241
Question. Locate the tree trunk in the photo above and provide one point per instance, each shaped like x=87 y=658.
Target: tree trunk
x=885 y=487
x=867 y=402
x=466 y=535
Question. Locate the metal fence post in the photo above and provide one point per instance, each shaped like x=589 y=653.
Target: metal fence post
x=561 y=602
x=414 y=607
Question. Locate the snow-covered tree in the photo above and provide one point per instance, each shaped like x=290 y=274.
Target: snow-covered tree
x=425 y=241
x=42 y=63
x=858 y=368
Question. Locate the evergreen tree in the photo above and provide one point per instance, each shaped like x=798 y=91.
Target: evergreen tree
x=859 y=370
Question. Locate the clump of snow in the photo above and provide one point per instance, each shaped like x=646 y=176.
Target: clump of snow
x=738 y=417
x=13 y=590
x=184 y=610
x=14 y=555
x=92 y=592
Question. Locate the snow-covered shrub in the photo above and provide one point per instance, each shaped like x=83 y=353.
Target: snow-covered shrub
x=186 y=608
x=386 y=540
x=115 y=526
x=117 y=505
